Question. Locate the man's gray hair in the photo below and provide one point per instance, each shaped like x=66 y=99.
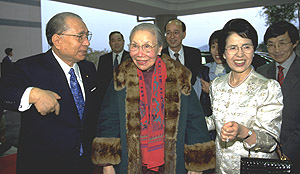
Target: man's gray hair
x=57 y=25
x=152 y=28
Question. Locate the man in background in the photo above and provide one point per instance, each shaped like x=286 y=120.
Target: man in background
x=109 y=61
x=281 y=39
x=175 y=31
x=6 y=69
x=55 y=93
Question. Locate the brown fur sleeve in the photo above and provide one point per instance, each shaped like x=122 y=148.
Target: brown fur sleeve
x=200 y=157
x=106 y=151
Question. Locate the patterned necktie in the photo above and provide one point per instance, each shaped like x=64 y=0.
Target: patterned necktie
x=280 y=75
x=77 y=93
x=177 y=56
x=116 y=61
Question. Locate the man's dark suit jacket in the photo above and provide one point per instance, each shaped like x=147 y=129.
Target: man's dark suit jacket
x=105 y=72
x=192 y=60
x=6 y=66
x=50 y=144
x=290 y=129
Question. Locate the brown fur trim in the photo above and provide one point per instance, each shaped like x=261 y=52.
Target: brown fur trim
x=177 y=83
x=106 y=151
x=200 y=157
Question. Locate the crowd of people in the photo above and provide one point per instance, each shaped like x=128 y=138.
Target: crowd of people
x=155 y=110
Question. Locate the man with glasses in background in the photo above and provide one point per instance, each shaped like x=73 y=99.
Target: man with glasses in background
x=281 y=39
x=54 y=91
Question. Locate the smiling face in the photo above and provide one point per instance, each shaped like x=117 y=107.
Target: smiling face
x=68 y=48
x=214 y=51
x=282 y=47
x=142 y=59
x=116 y=43
x=241 y=61
x=175 y=35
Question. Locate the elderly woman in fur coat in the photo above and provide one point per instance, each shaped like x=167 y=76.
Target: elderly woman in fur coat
x=151 y=120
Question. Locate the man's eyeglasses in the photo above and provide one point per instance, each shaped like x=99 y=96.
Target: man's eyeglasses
x=233 y=49
x=146 y=47
x=280 y=45
x=175 y=33
x=81 y=37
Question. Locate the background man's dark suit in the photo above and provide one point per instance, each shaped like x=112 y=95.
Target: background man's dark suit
x=6 y=66
x=290 y=129
x=105 y=72
x=192 y=60
x=52 y=141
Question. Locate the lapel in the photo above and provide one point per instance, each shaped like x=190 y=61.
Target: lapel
x=271 y=70
x=63 y=88
x=292 y=78
x=123 y=55
x=89 y=86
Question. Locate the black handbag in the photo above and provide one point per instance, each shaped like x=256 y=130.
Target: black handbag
x=266 y=166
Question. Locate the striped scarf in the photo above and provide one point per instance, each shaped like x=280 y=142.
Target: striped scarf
x=152 y=118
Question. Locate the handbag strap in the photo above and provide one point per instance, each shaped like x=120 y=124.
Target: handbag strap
x=280 y=149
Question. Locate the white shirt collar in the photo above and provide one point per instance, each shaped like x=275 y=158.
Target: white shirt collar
x=66 y=68
x=181 y=54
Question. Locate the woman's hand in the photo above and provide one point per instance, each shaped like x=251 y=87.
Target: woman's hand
x=205 y=85
x=108 y=170
x=232 y=129
x=229 y=131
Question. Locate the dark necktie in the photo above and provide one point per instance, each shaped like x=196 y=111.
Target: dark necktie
x=116 y=61
x=280 y=75
x=177 y=56
x=77 y=93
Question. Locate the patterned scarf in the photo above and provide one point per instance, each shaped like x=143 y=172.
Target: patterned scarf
x=152 y=122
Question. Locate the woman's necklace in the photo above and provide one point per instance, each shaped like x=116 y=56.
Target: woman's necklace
x=240 y=81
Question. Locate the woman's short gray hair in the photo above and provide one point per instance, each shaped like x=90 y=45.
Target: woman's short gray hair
x=152 y=28
x=57 y=25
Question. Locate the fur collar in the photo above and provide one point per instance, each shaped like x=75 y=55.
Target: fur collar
x=178 y=82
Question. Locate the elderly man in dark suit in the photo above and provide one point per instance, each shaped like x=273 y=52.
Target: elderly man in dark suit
x=109 y=61
x=281 y=39
x=55 y=93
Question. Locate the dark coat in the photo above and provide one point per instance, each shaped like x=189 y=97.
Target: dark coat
x=187 y=142
x=105 y=72
x=50 y=144
x=6 y=66
x=290 y=129
x=192 y=60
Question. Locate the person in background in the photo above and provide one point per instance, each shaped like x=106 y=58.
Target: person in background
x=215 y=69
x=109 y=61
x=246 y=107
x=175 y=31
x=151 y=120
x=7 y=64
x=6 y=69
x=54 y=91
x=281 y=39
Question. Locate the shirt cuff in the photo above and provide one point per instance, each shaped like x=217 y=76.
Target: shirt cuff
x=24 y=104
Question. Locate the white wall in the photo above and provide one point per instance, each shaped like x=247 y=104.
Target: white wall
x=20 y=27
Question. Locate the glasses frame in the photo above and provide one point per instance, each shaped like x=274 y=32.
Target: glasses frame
x=81 y=37
x=279 y=45
x=242 y=49
x=143 y=47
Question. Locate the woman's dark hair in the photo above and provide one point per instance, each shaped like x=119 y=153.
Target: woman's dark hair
x=214 y=37
x=280 y=28
x=240 y=26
